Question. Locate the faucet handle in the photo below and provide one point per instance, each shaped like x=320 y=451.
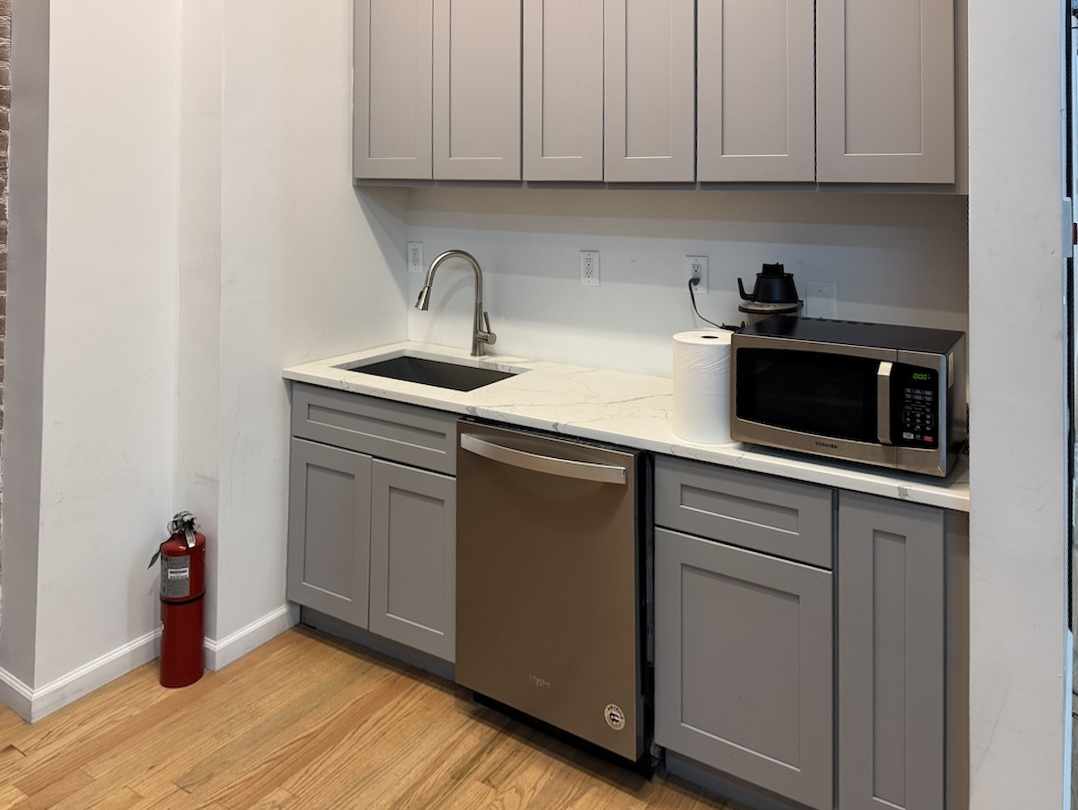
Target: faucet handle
x=488 y=336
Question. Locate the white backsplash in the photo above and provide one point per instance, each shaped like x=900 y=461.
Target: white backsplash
x=899 y=258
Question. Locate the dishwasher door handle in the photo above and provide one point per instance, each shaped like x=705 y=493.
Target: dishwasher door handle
x=600 y=473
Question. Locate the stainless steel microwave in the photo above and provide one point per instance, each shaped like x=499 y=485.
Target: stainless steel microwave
x=892 y=396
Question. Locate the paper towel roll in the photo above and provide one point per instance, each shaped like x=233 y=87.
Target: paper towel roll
x=702 y=386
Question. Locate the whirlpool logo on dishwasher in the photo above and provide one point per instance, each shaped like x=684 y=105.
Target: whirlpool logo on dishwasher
x=539 y=683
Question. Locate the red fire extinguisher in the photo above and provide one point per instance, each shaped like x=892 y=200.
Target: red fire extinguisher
x=183 y=591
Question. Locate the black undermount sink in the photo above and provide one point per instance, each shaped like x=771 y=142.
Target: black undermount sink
x=433 y=372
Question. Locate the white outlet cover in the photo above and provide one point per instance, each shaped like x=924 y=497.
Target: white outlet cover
x=589 y=268
x=698 y=265
x=415 y=257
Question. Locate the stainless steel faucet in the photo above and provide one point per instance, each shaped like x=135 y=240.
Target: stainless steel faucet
x=481 y=334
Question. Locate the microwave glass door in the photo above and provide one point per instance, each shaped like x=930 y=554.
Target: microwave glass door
x=810 y=392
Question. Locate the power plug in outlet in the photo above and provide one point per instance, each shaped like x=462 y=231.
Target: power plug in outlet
x=589 y=268
x=415 y=257
x=696 y=267
x=820 y=300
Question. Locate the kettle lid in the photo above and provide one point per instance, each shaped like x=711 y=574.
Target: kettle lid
x=774 y=271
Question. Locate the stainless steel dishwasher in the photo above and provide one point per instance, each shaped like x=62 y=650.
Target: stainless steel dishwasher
x=551 y=582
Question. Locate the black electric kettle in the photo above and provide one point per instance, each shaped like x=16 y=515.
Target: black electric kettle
x=773 y=294
x=773 y=286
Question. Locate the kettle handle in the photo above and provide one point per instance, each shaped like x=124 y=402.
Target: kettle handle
x=744 y=295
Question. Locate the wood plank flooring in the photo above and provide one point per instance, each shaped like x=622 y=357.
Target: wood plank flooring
x=304 y=722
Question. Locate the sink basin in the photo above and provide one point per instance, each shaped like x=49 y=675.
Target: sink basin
x=432 y=372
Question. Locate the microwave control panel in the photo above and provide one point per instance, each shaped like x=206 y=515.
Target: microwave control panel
x=917 y=407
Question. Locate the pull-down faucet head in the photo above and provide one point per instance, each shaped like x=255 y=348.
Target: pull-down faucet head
x=423 y=302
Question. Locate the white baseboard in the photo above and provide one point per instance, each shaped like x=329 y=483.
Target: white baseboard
x=221 y=653
x=15 y=694
x=34 y=704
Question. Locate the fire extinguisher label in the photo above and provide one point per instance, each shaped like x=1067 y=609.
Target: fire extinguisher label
x=176 y=577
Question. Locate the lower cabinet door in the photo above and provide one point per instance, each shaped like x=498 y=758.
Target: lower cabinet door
x=891 y=655
x=329 y=530
x=413 y=558
x=743 y=665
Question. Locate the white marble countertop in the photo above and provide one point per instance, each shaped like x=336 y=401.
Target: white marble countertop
x=610 y=406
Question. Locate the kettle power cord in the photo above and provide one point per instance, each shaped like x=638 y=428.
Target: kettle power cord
x=692 y=297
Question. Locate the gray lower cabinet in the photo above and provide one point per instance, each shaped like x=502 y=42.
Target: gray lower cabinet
x=413 y=558
x=329 y=532
x=743 y=664
x=891 y=654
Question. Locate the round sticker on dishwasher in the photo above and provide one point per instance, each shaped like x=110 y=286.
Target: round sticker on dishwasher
x=615 y=717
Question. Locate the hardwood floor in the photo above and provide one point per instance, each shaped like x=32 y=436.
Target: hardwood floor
x=304 y=722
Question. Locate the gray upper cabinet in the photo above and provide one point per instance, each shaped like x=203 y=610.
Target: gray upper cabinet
x=885 y=88
x=413 y=558
x=743 y=665
x=650 y=109
x=755 y=91
x=563 y=90
x=393 y=96
x=329 y=530
x=891 y=631
x=477 y=93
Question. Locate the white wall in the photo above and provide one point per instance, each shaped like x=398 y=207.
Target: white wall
x=309 y=267
x=1018 y=365
x=199 y=356
x=893 y=258
x=202 y=233
x=109 y=377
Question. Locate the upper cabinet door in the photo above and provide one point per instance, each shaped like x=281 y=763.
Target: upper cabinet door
x=563 y=90
x=393 y=102
x=885 y=91
x=477 y=65
x=650 y=91
x=755 y=85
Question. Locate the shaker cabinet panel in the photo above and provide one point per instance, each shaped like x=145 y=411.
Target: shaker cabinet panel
x=891 y=659
x=755 y=90
x=743 y=665
x=393 y=96
x=650 y=109
x=885 y=88
x=477 y=97
x=563 y=90
x=329 y=530
x=413 y=558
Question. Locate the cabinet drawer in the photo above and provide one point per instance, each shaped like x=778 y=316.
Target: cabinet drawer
x=785 y=518
x=415 y=436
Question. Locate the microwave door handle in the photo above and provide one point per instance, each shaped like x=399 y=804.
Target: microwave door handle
x=883 y=402
x=565 y=468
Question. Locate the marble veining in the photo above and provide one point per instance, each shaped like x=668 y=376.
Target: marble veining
x=611 y=406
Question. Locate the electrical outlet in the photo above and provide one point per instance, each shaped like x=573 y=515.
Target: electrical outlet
x=415 y=257
x=697 y=267
x=820 y=300
x=589 y=268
